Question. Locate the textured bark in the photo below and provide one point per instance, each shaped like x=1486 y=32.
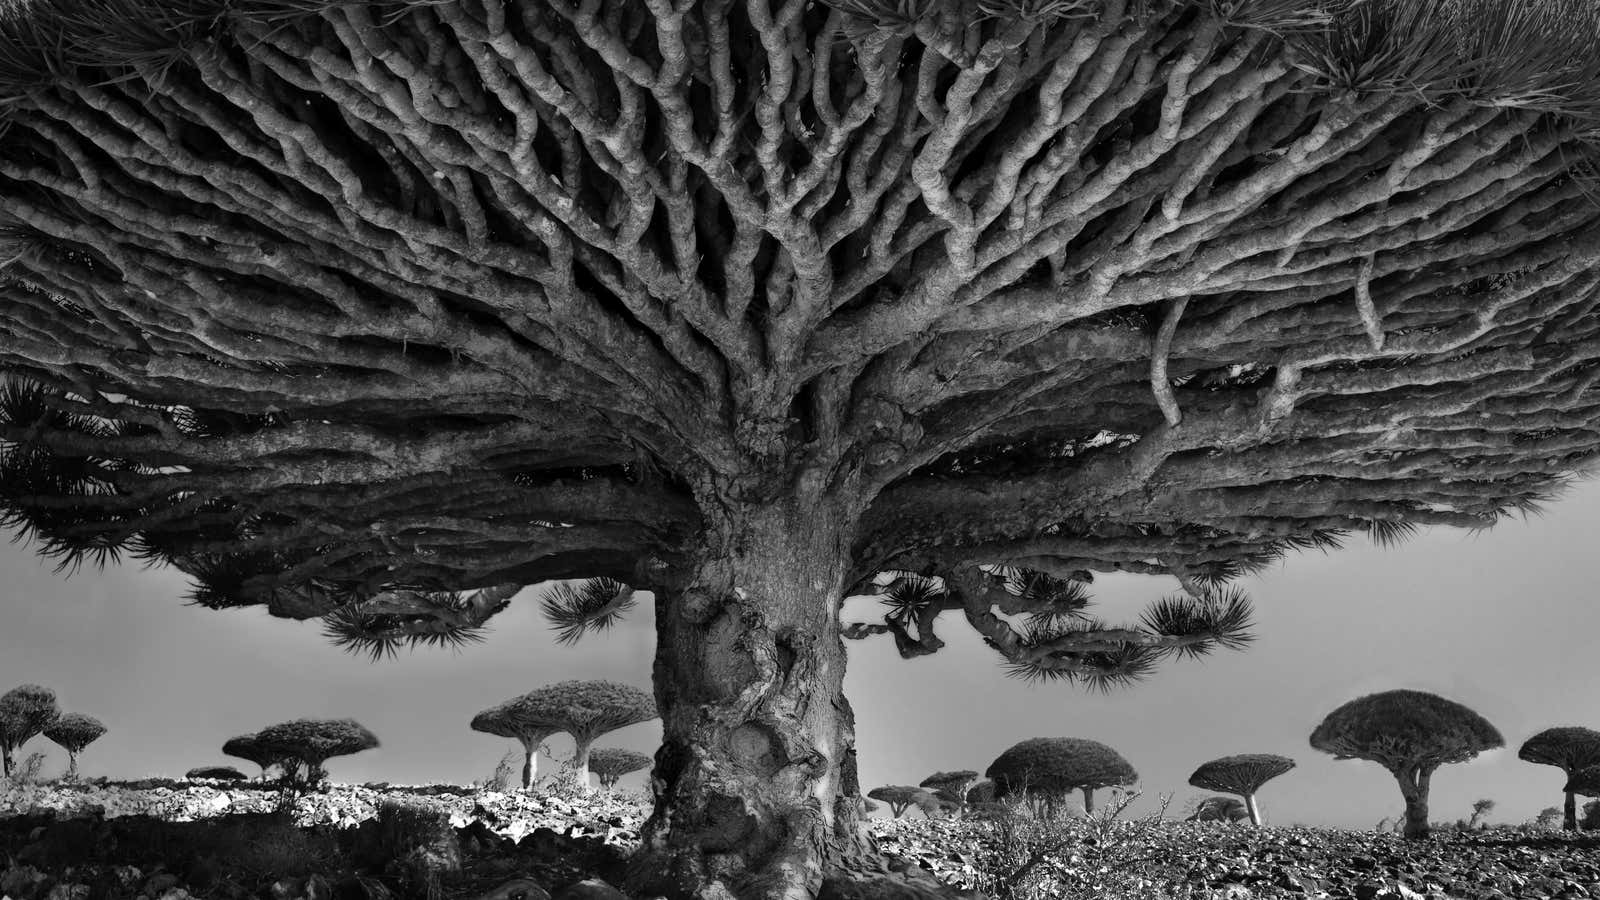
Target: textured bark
x=1088 y=800
x=1255 y=810
x=529 y=764
x=750 y=780
x=1413 y=782
x=1569 y=812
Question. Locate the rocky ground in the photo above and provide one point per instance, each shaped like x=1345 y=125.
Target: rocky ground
x=166 y=840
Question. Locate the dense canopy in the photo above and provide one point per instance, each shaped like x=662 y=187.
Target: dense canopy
x=378 y=311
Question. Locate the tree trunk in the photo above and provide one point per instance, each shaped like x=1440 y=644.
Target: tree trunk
x=72 y=766
x=529 y=766
x=1255 y=811
x=1414 y=787
x=5 y=760
x=755 y=783
x=1088 y=801
x=1570 y=812
x=580 y=761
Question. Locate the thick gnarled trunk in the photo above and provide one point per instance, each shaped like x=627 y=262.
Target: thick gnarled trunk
x=754 y=782
x=1414 y=787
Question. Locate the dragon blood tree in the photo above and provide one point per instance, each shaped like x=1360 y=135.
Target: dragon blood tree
x=216 y=773
x=611 y=763
x=1219 y=809
x=73 y=732
x=25 y=712
x=358 y=310
x=1243 y=775
x=1569 y=748
x=312 y=742
x=510 y=719
x=1051 y=768
x=900 y=797
x=586 y=710
x=1410 y=733
x=249 y=747
x=951 y=787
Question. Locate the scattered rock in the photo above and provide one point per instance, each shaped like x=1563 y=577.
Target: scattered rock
x=590 y=889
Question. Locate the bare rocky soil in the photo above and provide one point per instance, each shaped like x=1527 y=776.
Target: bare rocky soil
x=174 y=840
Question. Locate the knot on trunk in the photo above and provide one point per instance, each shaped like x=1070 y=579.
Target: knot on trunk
x=754 y=746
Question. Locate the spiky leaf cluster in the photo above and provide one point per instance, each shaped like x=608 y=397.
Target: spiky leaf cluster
x=515 y=718
x=588 y=708
x=1568 y=747
x=576 y=608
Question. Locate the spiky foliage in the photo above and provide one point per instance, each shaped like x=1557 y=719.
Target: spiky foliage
x=515 y=718
x=586 y=710
x=25 y=712
x=1409 y=733
x=1051 y=768
x=611 y=763
x=901 y=797
x=1569 y=748
x=595 y=604
x=982 y=792
x=1243 y=774
x=1219 y=809
x=312 y=742
x=379 y=626
x=216 y=773
x=73 y=732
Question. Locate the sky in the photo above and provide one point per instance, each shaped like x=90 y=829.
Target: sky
x=1501 y=621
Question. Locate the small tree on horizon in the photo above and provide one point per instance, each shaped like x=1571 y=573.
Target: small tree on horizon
x=1568 y=748
x=611 y=763
x=25 y=712
x=216 y=773
x=902 y=797
x=73 y=732
x=1244 y=775
x=1480 y=808
x=586 y=710
x=312 y=742
x=1411 y=734
x=512 y=719
x=1047 y=769
x=951 y=787
x=1223 y=809
x=249 y=747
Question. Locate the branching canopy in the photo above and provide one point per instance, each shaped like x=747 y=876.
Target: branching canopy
x=216 y=773
x=315 y=741
x=25 y=711
x=344 y=308
x=1405 y=729
x=75 y=731
x=1057 y=766
x=1567 y=747
x=1243 y=774
x=587 y=709
x=513 y=719
x=611 y=763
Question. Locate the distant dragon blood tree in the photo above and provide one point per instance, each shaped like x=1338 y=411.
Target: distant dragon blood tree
x=1243 y=775
x=1569 y=748
x=73 y=732
x=25 y=712
x=375 y=312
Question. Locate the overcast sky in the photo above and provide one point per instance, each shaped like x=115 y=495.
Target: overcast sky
x=1502 y=621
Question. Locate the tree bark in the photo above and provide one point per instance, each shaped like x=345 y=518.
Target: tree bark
x=5 y=760
x=529 y=766
x=1255 y=811
x=755 y=785
x=1569 y=811
x=72 y=766
x=580 y=760
x=1414 y=787
x=1088 y=801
